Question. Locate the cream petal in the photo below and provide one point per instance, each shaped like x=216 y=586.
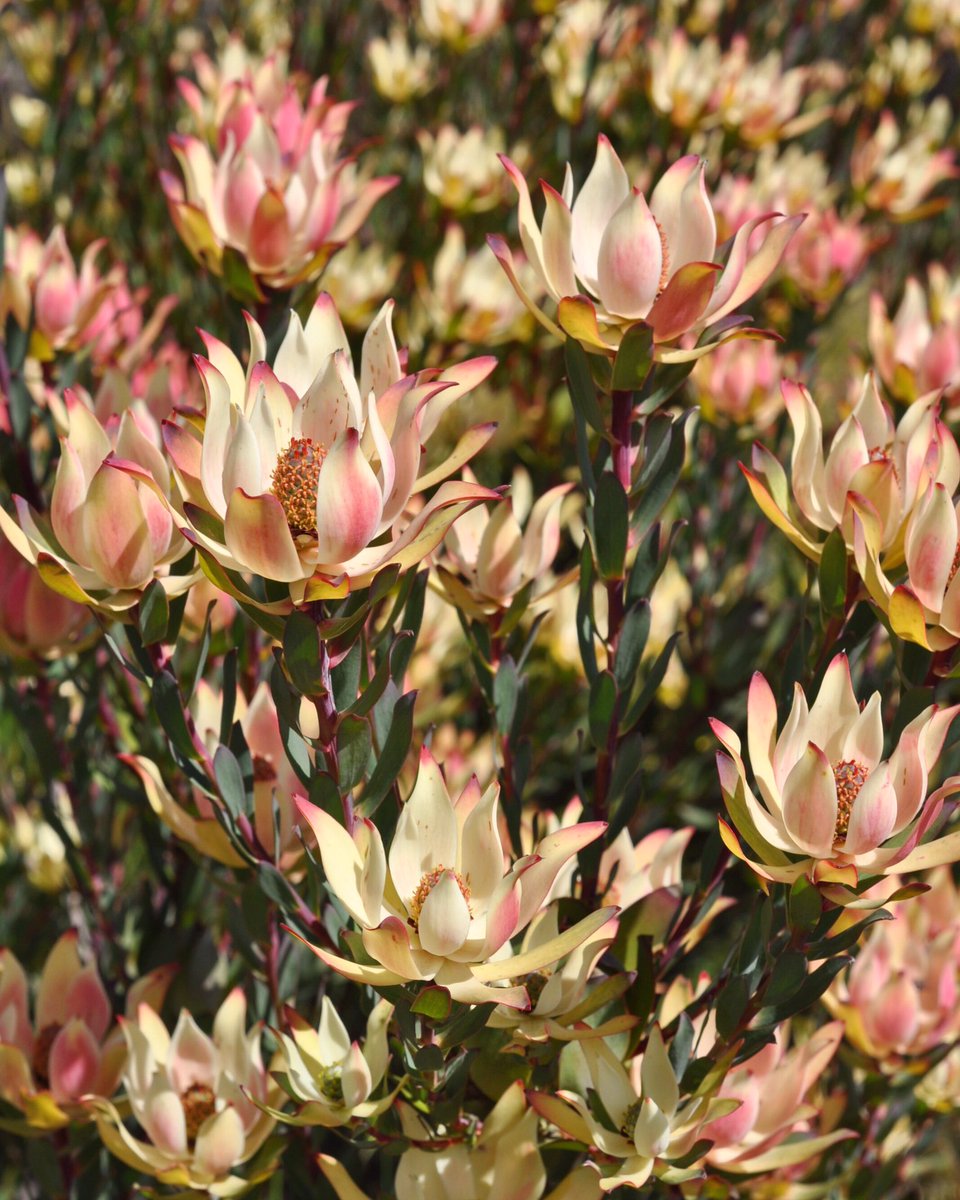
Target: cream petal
x=220 y=1143
x=426 y=835
x=349 y=501
x=835 y=709
x=864 y=742
x=930 y=546
x=688 y=224
x=810 y=803
x=481 y=851
x=444 y=918
x=762 y=738
x=557 y=254
x=603 y=191
x=873 y=814
x=630 y=260
x=192 y=1057
x=116 y=536
x=334 y=1041
x=162 y=1117
x=258 y=536
x=379 y=360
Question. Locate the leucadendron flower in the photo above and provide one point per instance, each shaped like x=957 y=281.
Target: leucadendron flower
x=442 y=906
x=832 y=806
x=71 y=1049
x=649 y=1123
x=922 y=605
x=899 y=998
x=503 y=1161
x=304 y=475
x=195 y=1099
x=333 y=1077
x=608 y=259
x=872 y=466
x=110 y=532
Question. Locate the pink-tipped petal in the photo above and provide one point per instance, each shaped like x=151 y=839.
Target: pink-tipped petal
x=810 y=803
x=258 y=537
x=349 y=501
x=630 y=260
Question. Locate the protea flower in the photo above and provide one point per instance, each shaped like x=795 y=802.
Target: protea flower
x=68 y=1051
x=925 y=606
x=773 y=1089
x=872 y=466
x=333 y=1077
x=110 y=532
x=492 y=555
x=503 y=1161
x=609 y=259
x=829 y=797
x=899 y=998
x=276 y=193
x=35 y=621
x=442 y=906
x=301 y=471
x=649 y=1123
x=918 y=349
x=194 y=1099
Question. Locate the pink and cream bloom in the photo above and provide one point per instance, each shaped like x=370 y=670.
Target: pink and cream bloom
x=43 y=282
x=468 y=298
x=442 y=906
x=274 y=783
x=872 y=465
x=773 y=1089
x=918 y=349
x=303 y=475
x=899 y=998
x=460 y=24
x=762 y=100
x=71 y=1048
x=503 y=1160
x=331 y=1076
x=608 y=259
x=924 y=606
x=832 y=806
x=196 y=1099
x=491 y=555
x=275 y=190
x=109 y=533
x=559 y=994
x=683 y=77
x=460 y=170
x=895 y=169
x=35 y=621
x=650 y=1123
x=740 y=382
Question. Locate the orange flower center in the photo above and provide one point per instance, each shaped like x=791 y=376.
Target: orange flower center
x=665 y=251
x=198 y=1103
x=295 y=480
x=955 y=566
x=850 y=777
x=41 y=1052
x=426 y=886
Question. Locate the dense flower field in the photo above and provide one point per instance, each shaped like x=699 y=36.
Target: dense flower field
x=479 y=599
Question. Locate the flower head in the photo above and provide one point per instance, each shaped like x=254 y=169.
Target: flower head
x=301 y=469
x=827 y=793
x=194 y=1097
x=442 y=906
x=608 y=258
x=68 y=1051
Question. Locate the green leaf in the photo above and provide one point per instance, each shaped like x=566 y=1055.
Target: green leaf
x=345 y=677
x=833 y=575
x=602 y=711
x=808 y=993
x=583 y=391
x=153 y=614
x=732 y=1004
x=391 y=757
x=384 y=582
x=631 y=367
x=230 y=782
x=586 y=621
x=434 y=1003
x=507 y=690
x=301 y=654
x=829 y=947
x=353 y=750
x=652 y=682
x=634 y=631
x=664 y=452
x=412 y=618
x=804 y=906
x=169 y=708
x=494 y=1072
x=240 y=281
x=756 y=938
x=789 y=972
x=610 y=526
